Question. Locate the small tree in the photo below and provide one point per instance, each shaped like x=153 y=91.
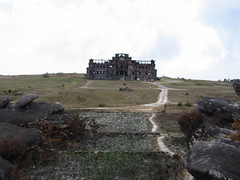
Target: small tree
x=190 y=122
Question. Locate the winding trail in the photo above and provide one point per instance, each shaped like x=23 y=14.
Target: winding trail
x=162 y=99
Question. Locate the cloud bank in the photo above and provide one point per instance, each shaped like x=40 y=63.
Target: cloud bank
x=187 y=38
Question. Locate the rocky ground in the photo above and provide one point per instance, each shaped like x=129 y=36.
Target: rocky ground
x=214 y=145
x=42 y=141
x=79 y=144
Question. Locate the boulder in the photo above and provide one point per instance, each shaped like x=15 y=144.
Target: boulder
x=4 y=101
x=6 y=168
x=25 y=136
x=213 y=106
x=214 y=160
x=29 y=113
x=236 y=86
x=217 y=132
x=24 y=100
x=55 y=108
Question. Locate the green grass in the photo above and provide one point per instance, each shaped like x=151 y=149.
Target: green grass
x=168 y=124
x=191 y=90
x=116 y=84
x=113 y=165
x=64 y=88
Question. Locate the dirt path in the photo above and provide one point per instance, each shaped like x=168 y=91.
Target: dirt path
x=86 y=85
x=162 y=99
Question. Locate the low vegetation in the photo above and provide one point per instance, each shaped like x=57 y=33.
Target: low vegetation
x=191 y=90
x=189 y=122
x=66 y=89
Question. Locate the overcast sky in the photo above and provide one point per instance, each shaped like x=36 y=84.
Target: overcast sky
x=197 y=39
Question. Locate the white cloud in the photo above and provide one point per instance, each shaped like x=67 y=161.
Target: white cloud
x=40 y=36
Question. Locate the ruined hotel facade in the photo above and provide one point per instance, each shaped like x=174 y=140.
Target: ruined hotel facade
x=121 y=66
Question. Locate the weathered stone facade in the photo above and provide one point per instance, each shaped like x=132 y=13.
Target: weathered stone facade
x=121 y=66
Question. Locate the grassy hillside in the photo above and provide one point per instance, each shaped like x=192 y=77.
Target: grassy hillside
x=66 y=89
x=192 y=90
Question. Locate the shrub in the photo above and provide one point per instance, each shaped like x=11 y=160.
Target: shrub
x=126 y=89
x=188 y=104
x=46 y=75
x=81 y=99
x=190 y=122
x=12 y=150
x=236 y=126
x=234 y=137
x=101 y=105
x=179 y=104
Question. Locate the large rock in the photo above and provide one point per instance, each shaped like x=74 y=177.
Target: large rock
x=25 y=136
x=212 y=106
x=55 y=108
x=4 y=101
x=214 y=160
x=24 y=100
x=6 y=168
x=236 y=86
x=29 y=113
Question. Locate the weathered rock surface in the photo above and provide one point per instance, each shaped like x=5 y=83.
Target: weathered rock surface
x=214 y=160
x=24 y=100
x=25 y=136
x=29 y=113
x=5 y=169
x=4 y=101
x=56 y=108
x=236 y=86
x=217 y=132
x=212 y=106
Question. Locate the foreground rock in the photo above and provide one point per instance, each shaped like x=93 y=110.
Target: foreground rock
x=213 y=154
x=24 y=100
x=6 y=169
x=4 y=101
x=214 y=160
x=214 y=106
x=19 y=135
x=236 y=86
x=29 y=113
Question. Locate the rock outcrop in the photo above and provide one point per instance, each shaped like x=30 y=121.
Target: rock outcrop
x=27 y=111
x=213 y=154
x=13 y=119
x=212 y=106
x=24 y=100
x=4 y=101
x=236 y=86
x=214 y=160
x=6 y=169
x=25 y=136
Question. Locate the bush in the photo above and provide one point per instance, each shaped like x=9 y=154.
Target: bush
x=190 y=122
x=12 y=150
x=236 y=126
x=179 y=104
x=188 y=104
x=101 y=105
x=46 y=75
x=126 y=89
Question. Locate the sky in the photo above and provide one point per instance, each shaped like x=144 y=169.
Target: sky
x=193 y=39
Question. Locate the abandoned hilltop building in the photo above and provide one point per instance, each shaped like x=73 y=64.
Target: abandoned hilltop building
x=121 y=66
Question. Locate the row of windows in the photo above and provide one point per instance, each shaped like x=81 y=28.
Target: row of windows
x=133 y=73
x=142 y=73
x=122 y=67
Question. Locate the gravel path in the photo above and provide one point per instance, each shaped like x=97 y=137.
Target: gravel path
x=162 y=99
